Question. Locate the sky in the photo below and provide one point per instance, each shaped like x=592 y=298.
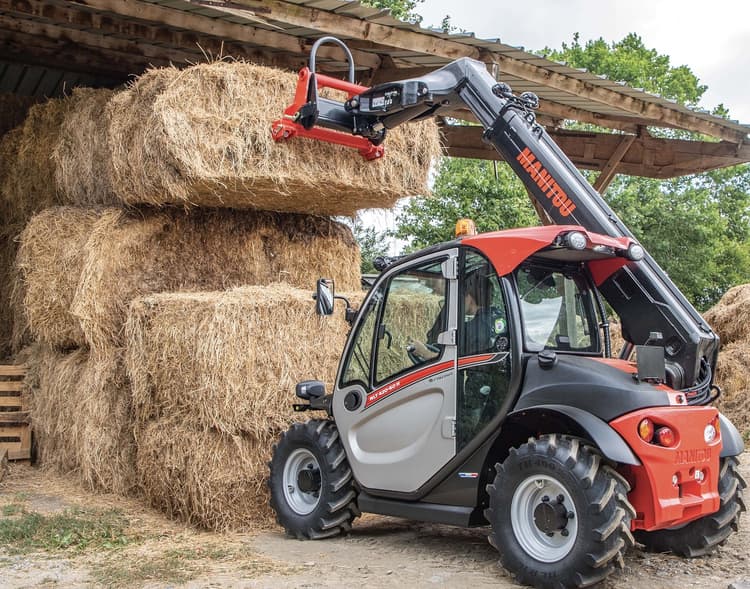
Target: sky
x=712 y=39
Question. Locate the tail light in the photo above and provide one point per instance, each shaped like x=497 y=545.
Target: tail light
x=666 y=437
x=712 y=430
x=646 y=430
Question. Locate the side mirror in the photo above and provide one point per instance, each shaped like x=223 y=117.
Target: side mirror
x=324 y=297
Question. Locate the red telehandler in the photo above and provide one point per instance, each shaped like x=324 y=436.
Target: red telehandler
x=478 y=387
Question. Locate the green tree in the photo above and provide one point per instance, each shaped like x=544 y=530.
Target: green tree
x=465 y=188
x=372 y=244
x=400 y=9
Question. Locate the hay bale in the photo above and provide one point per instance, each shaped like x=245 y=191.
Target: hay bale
x=107 y=454
x=201 y=136
x=55 y=413
x=733 y=376
x=204 y=477
x=12 y=332
x=132 y=254
x=82 y=165
x=730 y=317
x=13 y=109
x=9 y=145
x=228 y=360
x=28 y=181
x=80 y=408
x=49 y=262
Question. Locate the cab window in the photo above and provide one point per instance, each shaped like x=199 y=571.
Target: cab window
x=483 y=348
x=357 y=366
x=557 y=309
x=414 y=315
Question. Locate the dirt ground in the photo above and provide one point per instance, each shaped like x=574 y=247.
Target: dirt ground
x=380 y=552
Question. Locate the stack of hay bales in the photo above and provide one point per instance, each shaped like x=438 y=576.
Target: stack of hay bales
x=730 y=317
x=164 y=341
x=212 y=376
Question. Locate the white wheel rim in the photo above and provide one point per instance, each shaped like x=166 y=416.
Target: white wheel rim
x=538 y=544
x=301 y=502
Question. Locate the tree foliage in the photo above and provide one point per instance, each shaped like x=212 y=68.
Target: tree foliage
x=466 y=188
x=400 y=9
x=372 y=244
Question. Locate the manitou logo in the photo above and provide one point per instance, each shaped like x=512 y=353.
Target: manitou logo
x=545 y=182
x=692 y=456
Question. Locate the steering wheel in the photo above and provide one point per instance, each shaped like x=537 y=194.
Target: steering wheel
x=416 y=358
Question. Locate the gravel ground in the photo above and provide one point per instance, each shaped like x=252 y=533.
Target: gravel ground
x=380 y=552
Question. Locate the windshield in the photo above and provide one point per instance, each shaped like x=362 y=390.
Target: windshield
x=557 y=310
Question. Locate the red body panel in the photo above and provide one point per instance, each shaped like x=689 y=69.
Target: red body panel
x=657 y=501
x=287 y=127
x=507 y=249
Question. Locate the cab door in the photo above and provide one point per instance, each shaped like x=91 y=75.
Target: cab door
x=395 y=401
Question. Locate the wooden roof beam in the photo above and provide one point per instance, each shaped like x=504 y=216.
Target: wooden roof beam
x=610 y=168
x=224 y=29
x=110 y=43
x=338 y=24
x=645 y=156
x=62 y=54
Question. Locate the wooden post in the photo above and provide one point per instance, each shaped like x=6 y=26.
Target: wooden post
x=610 y=168
x=4 y=468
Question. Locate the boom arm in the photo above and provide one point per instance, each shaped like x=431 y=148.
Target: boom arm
x=641 y=293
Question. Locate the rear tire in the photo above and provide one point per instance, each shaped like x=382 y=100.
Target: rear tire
x=560 y=516
x=703 y=536
x=312 y=490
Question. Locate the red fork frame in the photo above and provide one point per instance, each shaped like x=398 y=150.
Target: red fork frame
x=287 y=127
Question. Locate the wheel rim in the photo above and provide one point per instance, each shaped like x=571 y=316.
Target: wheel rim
x=302 y=465
x=544 y=518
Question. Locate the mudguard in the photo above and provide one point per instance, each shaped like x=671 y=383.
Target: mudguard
x=732 y=444
x=609 y=442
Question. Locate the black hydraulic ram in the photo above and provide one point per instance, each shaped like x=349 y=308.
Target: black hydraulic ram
x=641 y=293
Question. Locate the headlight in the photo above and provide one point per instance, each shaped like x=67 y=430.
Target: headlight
x=635 y=252
x=576 y=240
x=709 y=433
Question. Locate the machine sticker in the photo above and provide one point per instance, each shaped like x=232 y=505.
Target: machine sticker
x=546 y=182
x=392 y=387
x=468 y=475
x=481 y=359
x=431 y=373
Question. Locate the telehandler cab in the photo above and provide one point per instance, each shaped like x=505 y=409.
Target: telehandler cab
x=478 y=387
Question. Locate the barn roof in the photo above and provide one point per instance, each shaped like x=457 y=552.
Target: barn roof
x=49 y=46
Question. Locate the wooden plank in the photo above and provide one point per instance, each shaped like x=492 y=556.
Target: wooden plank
x=647 y=156
x=50 y=31
x=224 y=29
x=19 y=417
x=422 y=42
x=4 y=468
x=10 y=402
x=12 y=370
x=610 y=168
x=20 y=446
x=11 y=386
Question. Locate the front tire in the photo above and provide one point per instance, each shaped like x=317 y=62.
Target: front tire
x=559 y=516
x=311 y=483
x=704 y=535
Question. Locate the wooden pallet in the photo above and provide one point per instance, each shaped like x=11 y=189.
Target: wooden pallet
x=15 y=429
